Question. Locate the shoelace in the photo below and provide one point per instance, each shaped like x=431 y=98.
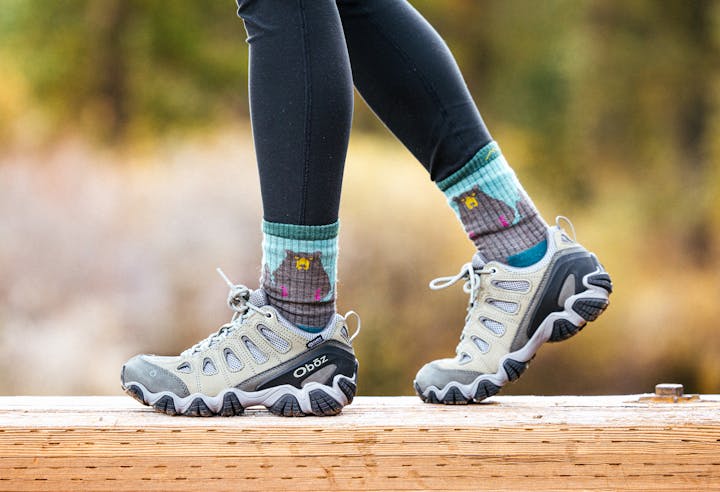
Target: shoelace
x=472 y=283
x=239 y=301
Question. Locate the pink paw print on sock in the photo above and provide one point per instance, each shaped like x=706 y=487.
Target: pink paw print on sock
x=318 y=295
x=503 y=221
x=284 y=291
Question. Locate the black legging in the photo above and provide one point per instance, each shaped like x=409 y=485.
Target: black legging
x=304 y=57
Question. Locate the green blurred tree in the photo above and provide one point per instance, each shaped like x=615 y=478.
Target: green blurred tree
x=650 y=94
x=120 y=67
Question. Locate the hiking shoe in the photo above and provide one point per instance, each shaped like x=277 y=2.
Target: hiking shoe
x=511 y=313
x=258 y=358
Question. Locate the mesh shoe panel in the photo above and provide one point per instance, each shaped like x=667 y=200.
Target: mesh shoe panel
x=257 y=354
x=481 y=344
x=508 y=307
x=513 y=285
x=209 y=367
x=494 y=326
x=278 y=342
x=232 y=360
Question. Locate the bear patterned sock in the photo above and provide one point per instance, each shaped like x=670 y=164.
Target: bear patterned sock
x=495 y=211
x=299 y=265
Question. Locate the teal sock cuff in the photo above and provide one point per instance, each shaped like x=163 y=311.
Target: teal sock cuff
x=314 y=243
x=530 y=256
x=301 y=232
x=311 y=329
x=484 y=156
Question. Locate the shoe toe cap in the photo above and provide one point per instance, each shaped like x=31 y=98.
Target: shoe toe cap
x=437 y=374
x=426 y=376
x=154 y=378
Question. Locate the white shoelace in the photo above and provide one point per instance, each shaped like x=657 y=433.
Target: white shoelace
x=472 y=273
x=239 y=301
x=472 y=283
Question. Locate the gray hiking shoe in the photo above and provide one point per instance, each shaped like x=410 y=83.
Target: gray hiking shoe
x=259 y=358
x=511 y=313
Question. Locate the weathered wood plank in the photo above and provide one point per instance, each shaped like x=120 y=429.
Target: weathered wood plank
x=538 y=443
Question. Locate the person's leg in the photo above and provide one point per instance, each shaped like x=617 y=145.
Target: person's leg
x=301 y=111
x=528 y=283
x=285 y=347
x=408 y=76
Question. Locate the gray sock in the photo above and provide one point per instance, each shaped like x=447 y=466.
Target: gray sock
x=299 y=265
x=495 y=211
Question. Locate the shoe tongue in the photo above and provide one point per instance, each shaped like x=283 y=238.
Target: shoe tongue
x=478 y=262
x=258 y=298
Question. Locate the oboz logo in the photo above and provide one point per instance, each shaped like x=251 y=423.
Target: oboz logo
x=310 y=366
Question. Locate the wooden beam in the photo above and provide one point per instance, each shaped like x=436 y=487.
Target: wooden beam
x=519 y=443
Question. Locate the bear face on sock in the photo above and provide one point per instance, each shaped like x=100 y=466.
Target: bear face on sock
x=302 y=277
x=468 y=200
x=481 y=213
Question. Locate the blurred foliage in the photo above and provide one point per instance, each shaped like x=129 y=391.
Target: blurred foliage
x=606 y=108
x=114 y=68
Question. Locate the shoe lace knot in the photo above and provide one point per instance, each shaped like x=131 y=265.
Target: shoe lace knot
x=239 y=301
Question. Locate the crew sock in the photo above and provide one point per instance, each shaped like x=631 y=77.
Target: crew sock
x=298 y=277
x=495 y=210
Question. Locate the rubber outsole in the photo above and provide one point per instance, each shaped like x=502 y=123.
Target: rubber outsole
x=164 y=404
x=287 y=406
x=454 y=396
x=579 y=309
x=287 y=401
x=601 y=280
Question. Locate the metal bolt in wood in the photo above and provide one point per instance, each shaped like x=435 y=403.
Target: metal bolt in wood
x=669 y=390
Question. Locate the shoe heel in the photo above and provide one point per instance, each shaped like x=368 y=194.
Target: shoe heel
x=589 y=306
x=601 y=280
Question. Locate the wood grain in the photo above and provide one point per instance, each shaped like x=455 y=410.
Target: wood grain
x=510 y=443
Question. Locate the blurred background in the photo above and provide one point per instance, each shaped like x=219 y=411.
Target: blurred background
x=127 y=175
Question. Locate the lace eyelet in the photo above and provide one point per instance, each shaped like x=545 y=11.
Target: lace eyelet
x=268 y=315
x=493 y=271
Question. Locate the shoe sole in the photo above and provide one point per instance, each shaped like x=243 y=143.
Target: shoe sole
x=579 y=309
x=284 y=400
